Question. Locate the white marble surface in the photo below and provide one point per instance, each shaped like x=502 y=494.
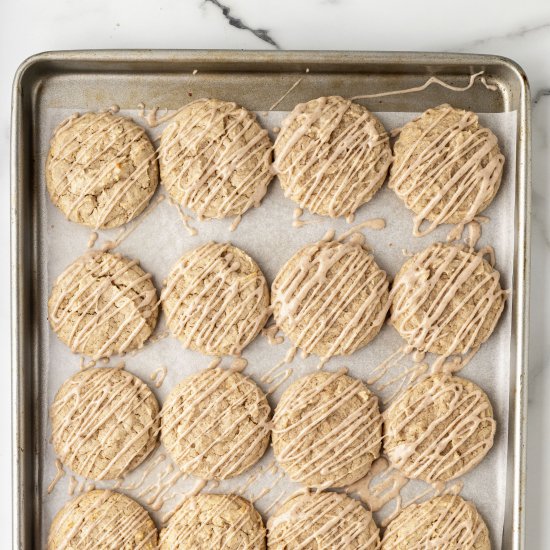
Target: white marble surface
x=519 y=30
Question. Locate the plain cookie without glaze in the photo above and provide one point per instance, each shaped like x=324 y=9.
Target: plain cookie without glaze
x=439 y=429
x=331 y=156
x=101 y=169
x=447 y=521
x=216 y=522
x=327 y=430
x=102 y=520
x=447 y=300
x=215 y=424
x=103 y=304
x=104 y=422
x=215 y=159
x=322 y=521
x=330 y=298
x=216 y=299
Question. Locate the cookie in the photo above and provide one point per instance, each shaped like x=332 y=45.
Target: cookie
x=447 y=167
x=447 y=300
x=330 y=298
x=104 y=422
x=322 y=521
x=216 y=299
x=102 y=520
x=439 y=428
x=327 y=430
x=214 y=521
x=101 y=169
x=215 y=159
x=446 y=521
x=103 y=304
x=215 y=424
x=331 y=156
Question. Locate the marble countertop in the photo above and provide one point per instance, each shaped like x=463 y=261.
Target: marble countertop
x=520 y=31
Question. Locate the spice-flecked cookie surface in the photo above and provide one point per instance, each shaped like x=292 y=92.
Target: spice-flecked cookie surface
x=101 y=169
x=322 y=521
x=327 y=430
x=103 y=304
x=216 y=299
x=214 y=521
x=447 y=167
x=104 y=422
x=331 y=156
x=102 y=520
x=447 y=299
x=215 y=159
x=445 y=522
x=215 y=424
x=439 y=429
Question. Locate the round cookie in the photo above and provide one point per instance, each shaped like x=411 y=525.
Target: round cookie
x=447 y=300
x=104 y=422
x=447 y=167
x=215 y=424
x=330 y=298
x=215 y=159
x=103 y=304
x=331 y=156
x=216 y=299
x=439 y=428
x=214 y=521
x=446 y=521
x=327 y=430
x=102 y=520
x=322 y=521
x=101 y=169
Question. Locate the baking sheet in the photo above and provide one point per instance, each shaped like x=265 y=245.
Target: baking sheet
x=266 y=233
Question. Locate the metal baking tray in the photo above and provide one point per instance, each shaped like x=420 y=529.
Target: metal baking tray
x=89 y=79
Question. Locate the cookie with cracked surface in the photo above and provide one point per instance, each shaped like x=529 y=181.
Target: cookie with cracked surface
x=447 y=167
x=327 y=430
x=331 y=155
x=215 y=424
x=216 y=299
x=447 y=300
x=215 y=159
x=104 y=422
x=101 y=169
x=322 y=521
x=104 y=520
x=103 y=304
x=446 y=521
x=214 y=521
x=439 y=429
x=330 y=298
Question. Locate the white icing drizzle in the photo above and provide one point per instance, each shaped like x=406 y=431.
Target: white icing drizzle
x=158 y=376
x=59 y=473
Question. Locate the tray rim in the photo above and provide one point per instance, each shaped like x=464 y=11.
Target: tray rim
x=307 y=57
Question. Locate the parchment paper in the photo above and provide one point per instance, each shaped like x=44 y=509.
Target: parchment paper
x=266 y=233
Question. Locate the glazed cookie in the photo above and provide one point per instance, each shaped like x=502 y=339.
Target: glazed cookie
x=447 y=168
x=447 y=521
x=215 y=159
x=330 y=298
x=447 y=300
x=102 y=519
x=322 y=521
x=327 y=430
x=216 y=299
x=101 y=170
x=214 y=521
x=104 y=422
x=103 y=304
x=331 y=156
x=215 y=424
x=439 y=428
